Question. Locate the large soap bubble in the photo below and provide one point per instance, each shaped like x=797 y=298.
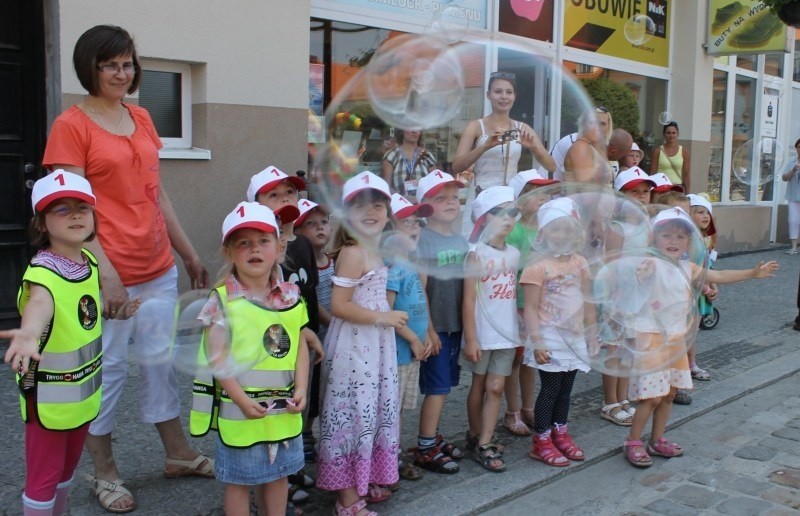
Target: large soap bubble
x=758 y=160
x=423 y=83
x=639 y=29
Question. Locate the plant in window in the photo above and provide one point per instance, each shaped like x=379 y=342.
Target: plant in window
x=787 y=10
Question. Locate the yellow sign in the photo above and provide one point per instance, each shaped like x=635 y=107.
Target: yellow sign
x=629 y=29
x=744 y=27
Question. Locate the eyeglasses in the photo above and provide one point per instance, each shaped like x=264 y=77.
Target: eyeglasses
x=411 y=222
x=128 y=68
x=65 y=210
x=503 y=75
x=601 y=109
x=508 y=212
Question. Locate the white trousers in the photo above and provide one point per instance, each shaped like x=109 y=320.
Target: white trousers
x=148 y=335
x=794 y=219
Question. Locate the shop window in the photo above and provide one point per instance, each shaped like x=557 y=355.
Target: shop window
x=773 y=65
x=796 y=70
x=747 y=62
x=744 y=105
x=166 y=93
x=718 y=100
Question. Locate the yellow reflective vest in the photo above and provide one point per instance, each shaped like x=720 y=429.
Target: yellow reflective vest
x=267 y=339
x=68 y=379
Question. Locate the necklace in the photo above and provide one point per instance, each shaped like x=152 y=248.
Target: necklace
x=99 y=119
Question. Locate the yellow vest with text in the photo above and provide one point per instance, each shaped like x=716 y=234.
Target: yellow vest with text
x=269 y=339
x=68 y=379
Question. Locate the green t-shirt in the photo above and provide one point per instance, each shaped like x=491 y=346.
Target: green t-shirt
x=522 y=238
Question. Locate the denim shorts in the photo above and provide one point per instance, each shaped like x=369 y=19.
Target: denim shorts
x=439 y=373
x=251 y=467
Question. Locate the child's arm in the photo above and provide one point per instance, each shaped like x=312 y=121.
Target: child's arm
x=432 y=341
x=760 y=271
x=472 y=350
x=310 y=340
x=217 y=337
x=24 y=346
x=531 y=312
x=351 y=264
x=301 y=368
x=417 y=347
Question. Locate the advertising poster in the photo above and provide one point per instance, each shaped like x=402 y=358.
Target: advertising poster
x=316 y=94
x=527 y=18
x=473 y=11
x=744 y=27
x=769 y=114
x=607 y=27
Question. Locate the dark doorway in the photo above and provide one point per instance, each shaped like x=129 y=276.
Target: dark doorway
x=22 y=133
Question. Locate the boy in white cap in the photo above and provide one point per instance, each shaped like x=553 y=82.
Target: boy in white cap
x=632 y=159
x=634 y=183
x=518 y=419
x=406 y=292
x=441 y=252
x=490 y=318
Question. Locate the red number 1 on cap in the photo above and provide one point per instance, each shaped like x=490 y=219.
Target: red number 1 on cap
x=365 y=179
x=439 y=175
x=240 y=211
x=275 y=172
x=60 y=179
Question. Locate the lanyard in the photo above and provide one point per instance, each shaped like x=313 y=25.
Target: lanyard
x=409 y=166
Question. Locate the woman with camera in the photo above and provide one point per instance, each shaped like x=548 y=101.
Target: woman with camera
x=492 y=145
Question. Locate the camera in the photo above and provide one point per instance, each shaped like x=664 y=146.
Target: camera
x=510 y=135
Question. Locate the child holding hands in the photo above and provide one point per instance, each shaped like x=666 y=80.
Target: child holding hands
x=359 y=412
x=60 y=333
x=253 y=318
x=556 y=316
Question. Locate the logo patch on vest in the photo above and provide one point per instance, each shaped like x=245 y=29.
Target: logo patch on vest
x=276 y=341
x=87 y=312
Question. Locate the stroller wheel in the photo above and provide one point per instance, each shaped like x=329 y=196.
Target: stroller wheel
x=708 y=322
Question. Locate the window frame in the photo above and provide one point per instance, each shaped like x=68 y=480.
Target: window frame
x=185 y=70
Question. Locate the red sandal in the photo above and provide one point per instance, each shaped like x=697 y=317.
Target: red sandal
x=563 y=441
x=544 y=450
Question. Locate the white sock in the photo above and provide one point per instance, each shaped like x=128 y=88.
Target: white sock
x=34 y=508
x=62 y=495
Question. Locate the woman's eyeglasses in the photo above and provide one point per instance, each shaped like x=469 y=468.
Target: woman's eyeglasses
x=128 y=68
x=508 y=212
x=503 y=75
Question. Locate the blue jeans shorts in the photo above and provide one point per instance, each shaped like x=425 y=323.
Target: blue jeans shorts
x=251 y=467
x=439 y=373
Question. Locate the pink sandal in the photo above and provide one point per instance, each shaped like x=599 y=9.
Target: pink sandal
x=544 y=450
x=353 y=510
x=664 y=448
x=377 y=494
x=640 y=459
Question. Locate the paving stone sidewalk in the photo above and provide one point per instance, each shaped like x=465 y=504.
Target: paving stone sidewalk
x=742 y=459
x=745 y=352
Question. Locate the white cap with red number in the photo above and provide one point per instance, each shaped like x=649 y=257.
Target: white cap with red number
x=664 y=184
x=674 y=213
x=366 y=180
x=60 y=184
x=402 y=207
x=268 y=179
x=251 y=215
x=430 y=185
x=632 y=177
x=525 y=177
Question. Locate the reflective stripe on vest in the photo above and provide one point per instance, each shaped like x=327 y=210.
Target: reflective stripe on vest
x=68 y=379
x=273 y=336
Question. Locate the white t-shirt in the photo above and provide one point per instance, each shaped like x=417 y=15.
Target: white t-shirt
x=558 y=153
x=496 y=325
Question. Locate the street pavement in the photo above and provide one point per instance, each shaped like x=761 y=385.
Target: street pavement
x=751 y=353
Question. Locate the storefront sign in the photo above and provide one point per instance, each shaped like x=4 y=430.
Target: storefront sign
x=744 y=27
x=472 y=12
x=527 y=18
x=600 y=26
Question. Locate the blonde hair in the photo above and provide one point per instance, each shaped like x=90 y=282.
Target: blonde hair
x=229 y=268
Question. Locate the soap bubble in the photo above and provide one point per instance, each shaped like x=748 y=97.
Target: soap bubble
x=757 y=161
x=665 y=117
x=639 y=29
x=451 y=24
x=421 y=83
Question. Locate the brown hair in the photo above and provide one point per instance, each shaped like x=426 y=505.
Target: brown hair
x=98 y=44
x=343 y=238
x=670 y=198
x=37 y=230
x=230 y=268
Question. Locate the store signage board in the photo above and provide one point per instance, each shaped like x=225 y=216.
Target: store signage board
x=599 y=26
x=769 y=113
x=473 y=11
x=744 y=27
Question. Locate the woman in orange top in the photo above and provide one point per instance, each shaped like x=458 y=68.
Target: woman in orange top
x=115 y=146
